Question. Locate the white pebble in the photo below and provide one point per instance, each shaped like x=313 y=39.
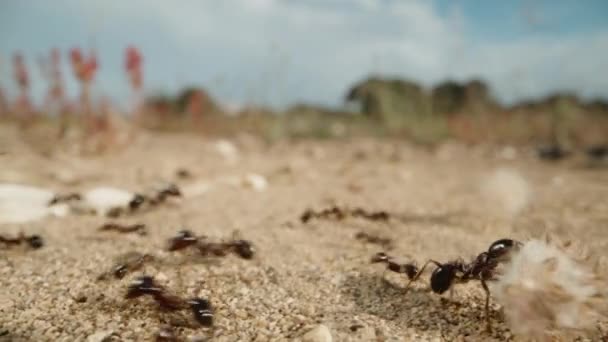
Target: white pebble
x=100 y=336
x=320 y=333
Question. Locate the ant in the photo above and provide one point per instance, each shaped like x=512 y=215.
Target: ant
x=242 y=248
x=134 y=204
x=136 y=201
x=202 y=311
x=552 y=152
x=386 y=242
x=338 y=213
x=372 y=216
x=134 y=228
x=183 y=174
x=128 y=262
x=33 y=241
x=146 y=285
x=482 y=268
x=169 y=190
x=65 y=198
x=186 y=238
x=409 y=269
x=597 y=152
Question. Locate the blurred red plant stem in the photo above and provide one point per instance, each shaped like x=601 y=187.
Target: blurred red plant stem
x=84 y=69
x=134 y=70
x=54 y=101
x=23 y=104
x=196 y=105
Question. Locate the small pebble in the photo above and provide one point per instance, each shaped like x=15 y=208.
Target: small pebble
x=320 y=333
x=101 y=336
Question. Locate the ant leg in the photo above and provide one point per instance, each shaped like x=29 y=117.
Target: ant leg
x=487 y=306
x=415 y=277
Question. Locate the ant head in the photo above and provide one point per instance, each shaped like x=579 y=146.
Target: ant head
x=65 y=198
x=140 y=228
x=202 y=311
x=35 y=241
x=120 y=271
x=501 y=247
x=306 y=216
x=442 y=278
x=380 y=257
x=183 y=239
x=171 y=190
x=244 y=249
x=137 y=201
x=142 y=286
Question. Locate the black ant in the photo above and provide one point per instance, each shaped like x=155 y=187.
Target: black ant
x=33 y=241
x=133 y=228
x=242 y=248
x=409 y=269
x=372 y=216
x=136 y=201
x=482 y=268
x=146 y=285
x=183 y=173
x=170 y=190
x=134 y=204
x=129 y=262
x=386 y=242
x=552 y=152
x=597 y=152
x=337 y=213
x=186 y=238
x=202 y=311
x=65 y=198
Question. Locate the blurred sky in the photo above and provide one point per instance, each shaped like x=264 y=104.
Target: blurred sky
x=281 y=52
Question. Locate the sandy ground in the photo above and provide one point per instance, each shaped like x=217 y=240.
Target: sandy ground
x=304 y=275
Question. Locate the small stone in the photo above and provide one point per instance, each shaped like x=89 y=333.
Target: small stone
x=80 y=298
x=160 y=276
x=320 y=333
x=101 y=336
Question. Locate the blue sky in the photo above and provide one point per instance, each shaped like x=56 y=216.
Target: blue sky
x=281 y=52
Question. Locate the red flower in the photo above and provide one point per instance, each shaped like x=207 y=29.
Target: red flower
x=76 y=56
x=133 y=58
x=89 y=68
x=84 y=68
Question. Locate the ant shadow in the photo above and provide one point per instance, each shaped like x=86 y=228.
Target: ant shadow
x=418 y=308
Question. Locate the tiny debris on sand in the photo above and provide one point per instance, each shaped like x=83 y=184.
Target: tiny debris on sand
x=320 y=333
x=310 y=280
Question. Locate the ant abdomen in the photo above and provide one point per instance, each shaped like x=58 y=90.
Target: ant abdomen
x=442 y=278
x=35 y=241
x=501 y=247
x=202 y=311
x=184 y=238
x=144 y=285
x=244 y=249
